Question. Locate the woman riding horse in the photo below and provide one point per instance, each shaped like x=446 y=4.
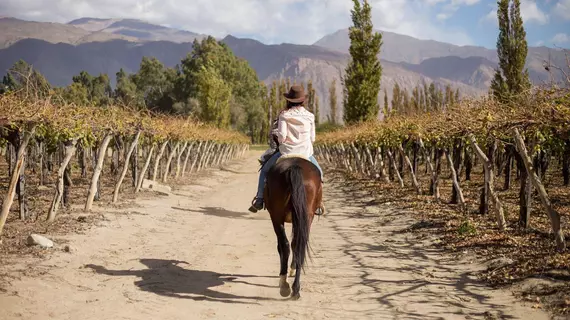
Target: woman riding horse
x=295 y=133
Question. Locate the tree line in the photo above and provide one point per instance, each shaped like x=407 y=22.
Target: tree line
x=210 y=84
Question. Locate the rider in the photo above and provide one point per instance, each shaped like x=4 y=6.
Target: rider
x=295 y=133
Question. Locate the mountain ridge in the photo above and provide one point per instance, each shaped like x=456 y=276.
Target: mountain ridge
x=106 y=45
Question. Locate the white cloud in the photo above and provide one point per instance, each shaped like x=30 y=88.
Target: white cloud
x=560 y=38
x=530 y=12
x=449 y=9
x=270 y=21
x=562 y=9
x=464 y=2
x=490 y=17
x=443 y=16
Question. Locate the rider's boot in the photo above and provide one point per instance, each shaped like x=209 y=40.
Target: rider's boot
x=256 y=205
x=321 y=208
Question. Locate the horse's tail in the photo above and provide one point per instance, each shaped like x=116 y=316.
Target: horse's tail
x=298 y=203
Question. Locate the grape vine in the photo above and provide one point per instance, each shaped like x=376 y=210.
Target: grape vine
x=530 y=129
x=35 y=130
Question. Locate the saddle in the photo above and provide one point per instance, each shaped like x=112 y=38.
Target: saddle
x=293 y=155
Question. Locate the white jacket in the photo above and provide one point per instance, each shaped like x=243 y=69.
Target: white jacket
x=296 y=131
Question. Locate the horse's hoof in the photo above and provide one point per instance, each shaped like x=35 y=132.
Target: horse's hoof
x=296 y=296
x=284 y=287
x=285 y=290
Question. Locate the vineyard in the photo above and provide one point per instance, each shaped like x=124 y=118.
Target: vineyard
x=45 y=140
x=495 y=175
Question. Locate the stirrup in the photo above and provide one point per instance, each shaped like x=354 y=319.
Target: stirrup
x=254 y=208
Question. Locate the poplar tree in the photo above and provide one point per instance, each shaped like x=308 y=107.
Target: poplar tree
x=511 y=78
x=386 y=110
x=310 y=99
x=396 y=99
x=363 y=73
x=333 y=102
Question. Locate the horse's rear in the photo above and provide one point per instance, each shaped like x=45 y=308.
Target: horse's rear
x=293 y=192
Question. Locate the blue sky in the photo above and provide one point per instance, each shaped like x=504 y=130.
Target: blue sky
x=544 y=25
x=461 y=22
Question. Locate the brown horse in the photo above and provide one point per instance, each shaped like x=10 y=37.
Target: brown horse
x=293 y=192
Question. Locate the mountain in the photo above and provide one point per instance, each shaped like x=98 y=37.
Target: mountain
x=409 y=50
x=87 y=30
x=60 y=62
x=401 y=48
x=474 y=71
x=138 y=29
x=303 y=62
x=61 y=51
x=13 y=30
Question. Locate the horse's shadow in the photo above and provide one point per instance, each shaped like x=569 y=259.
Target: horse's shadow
x=168 y=278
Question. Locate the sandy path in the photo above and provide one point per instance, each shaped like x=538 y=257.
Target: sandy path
x=198 y=254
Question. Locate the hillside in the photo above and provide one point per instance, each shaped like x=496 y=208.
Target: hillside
x=87 y=30
x=13 y=30
x=401 y=48
x=105 y=45
x=60 y=62
x=138 y=29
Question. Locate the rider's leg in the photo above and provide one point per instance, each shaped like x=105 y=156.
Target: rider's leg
x=266 y=155
x=258 y=204
x=320 y=209
x=314 y=161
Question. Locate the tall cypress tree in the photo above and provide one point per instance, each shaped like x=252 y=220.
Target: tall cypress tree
x=386 y=110
x=310 y=100
x=363 y=73
x=511 y=78
x=396 y=99
x=317 y=115
x=333 y=102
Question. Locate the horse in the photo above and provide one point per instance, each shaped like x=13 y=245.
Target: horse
x=292 y=194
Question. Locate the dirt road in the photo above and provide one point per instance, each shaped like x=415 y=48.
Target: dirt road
x=199 y=254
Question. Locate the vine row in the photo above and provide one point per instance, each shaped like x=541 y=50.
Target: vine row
x=45 y=135
x=531 y=131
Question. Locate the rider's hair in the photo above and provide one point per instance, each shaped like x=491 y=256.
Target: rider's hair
x=294 y=104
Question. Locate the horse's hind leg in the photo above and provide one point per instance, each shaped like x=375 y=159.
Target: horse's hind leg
x=284 y=251
x=292 y=267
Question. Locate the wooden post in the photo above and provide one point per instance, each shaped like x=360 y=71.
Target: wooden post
x=157 y=160
x=97 y=171
x=431 y=169
x=456 y=185
x=70 y=147
x=169 y=161
x=489 y=180
x=393 y=162
x=125 y=166
x=178 y=159
x=20 y=157
x=145 y=168
x=412 y=172
x=552 y=214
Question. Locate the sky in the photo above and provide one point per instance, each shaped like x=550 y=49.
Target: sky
x=461 y=22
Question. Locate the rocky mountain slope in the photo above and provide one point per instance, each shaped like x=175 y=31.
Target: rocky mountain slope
x=12 y=30
x=409 y=50
x=140 y=30
x=105 y=45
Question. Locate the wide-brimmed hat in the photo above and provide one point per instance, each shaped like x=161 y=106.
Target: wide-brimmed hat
x=296 y=94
